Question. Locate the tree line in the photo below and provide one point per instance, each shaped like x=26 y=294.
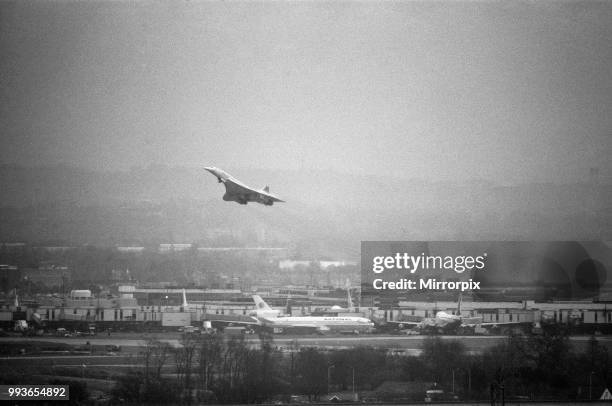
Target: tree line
x=219 y=369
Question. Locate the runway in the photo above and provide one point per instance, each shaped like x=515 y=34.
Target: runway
x=410 y=344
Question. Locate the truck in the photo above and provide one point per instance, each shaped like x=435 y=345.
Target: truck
x=189 y=329
x=234 y=331
x=176 y=319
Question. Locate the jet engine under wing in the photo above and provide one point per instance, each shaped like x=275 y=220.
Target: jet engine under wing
x=408 y=321
x=298 y=328
x=232 y=320
x=500 y=323
x=237 y=191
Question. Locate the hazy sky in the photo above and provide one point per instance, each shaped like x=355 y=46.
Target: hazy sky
x=445 y=90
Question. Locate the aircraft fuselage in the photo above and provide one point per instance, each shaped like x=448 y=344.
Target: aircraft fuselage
x=236 y=191
x=320 y=324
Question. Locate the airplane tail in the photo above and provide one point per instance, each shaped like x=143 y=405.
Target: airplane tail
x=184 y=299
x=350 y=306
x=288 y=307
x=459 y=304
x=263 y=310
x=266 y=189
x=260 y=304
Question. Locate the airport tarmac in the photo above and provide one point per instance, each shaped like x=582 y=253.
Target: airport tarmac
x=409 y=344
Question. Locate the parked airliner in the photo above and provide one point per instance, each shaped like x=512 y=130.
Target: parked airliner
x=271 y=318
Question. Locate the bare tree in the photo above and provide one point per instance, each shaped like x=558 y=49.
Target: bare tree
x=185 y=359
x=210 y=357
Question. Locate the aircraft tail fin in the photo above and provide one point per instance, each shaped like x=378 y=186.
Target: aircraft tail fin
x=288 y=307
x=349 y=299
x=185 y=304
x=266 y=189
x=260 y=304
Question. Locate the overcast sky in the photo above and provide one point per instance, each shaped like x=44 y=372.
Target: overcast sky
x=445 y=90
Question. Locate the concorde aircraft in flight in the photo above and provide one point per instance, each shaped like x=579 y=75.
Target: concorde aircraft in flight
x=236 y=191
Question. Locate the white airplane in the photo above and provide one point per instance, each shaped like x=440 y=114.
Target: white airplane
x=271 y=318
x=447 y=322
x=236 y=191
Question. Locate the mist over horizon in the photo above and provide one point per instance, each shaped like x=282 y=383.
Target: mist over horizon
x=373 y=120
x=326 y=213
x=245 y=170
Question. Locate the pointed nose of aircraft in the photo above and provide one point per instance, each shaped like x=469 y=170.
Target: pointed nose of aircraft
x=220 y=174
x=214 y=170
